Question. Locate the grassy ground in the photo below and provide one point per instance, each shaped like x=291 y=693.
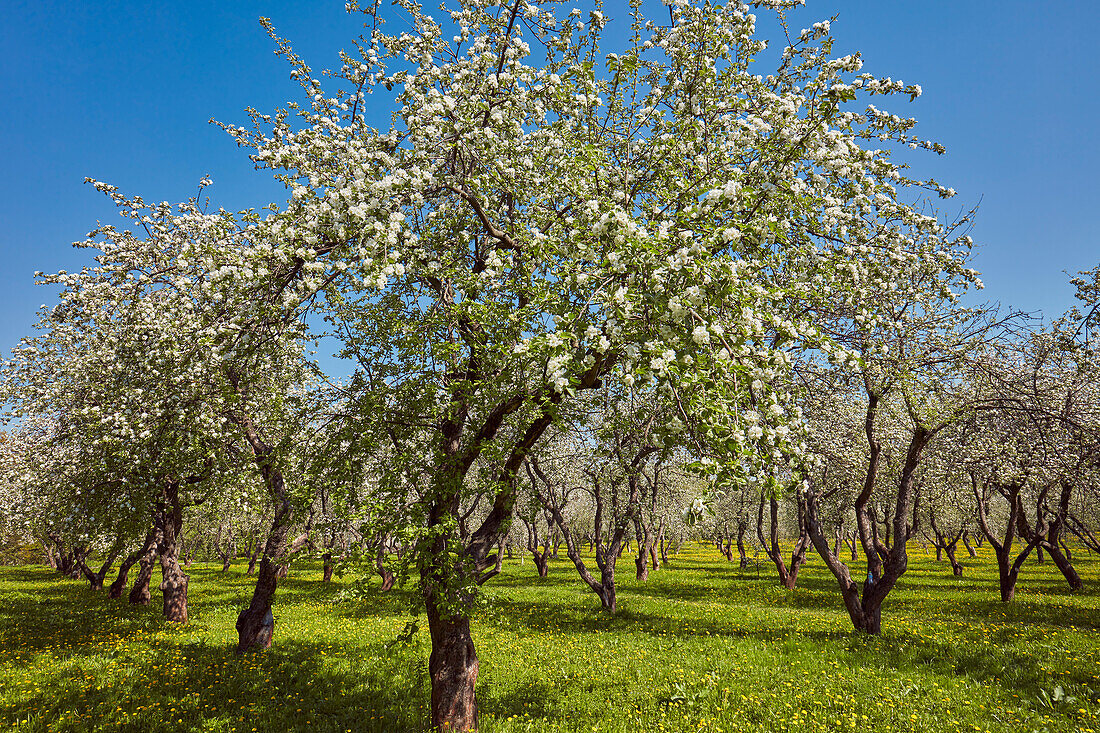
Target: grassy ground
x=700 y=646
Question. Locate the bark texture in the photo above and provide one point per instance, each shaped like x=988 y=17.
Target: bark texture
x=174 y=580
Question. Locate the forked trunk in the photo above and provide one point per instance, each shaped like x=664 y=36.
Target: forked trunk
x=885 y=565
x=139 y=594
x=788 y=576
x=115 y=591
x=956 y=567
x=966 y=543
x=95 y=578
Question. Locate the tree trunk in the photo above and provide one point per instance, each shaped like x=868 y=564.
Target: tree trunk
x=453 y=668
x=228 y=551
x=956 y=568
x=256 y=624
x=641 y=566
x=645 y=542
x=174 y=581
x=1053 y=540
x=253 y=556
x=885 y=565
x=96 y=578
x=1006 y=574
x=1008 y=570
x=607 y=593
x=139 y=594
x=327 y=559
x=787 y=576
x=115 y=591
x=742 y=527
x=966 y=543
x=116 y=588
x=542 y=563
x=1066 y=567
x=383 y=572
x=655 y=543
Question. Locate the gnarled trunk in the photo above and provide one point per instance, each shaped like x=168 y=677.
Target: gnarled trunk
x=96 y=578
x=453 y=668
x=173 y=580
x=1008 y=569
x=788 y=576
x=256 y=624
x=139 y=594
x=966 y=543
x=119 y=585
x=885 y=565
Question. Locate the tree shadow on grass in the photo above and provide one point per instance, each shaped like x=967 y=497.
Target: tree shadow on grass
x=535 y=698
x=68 y=618
x=197 y=687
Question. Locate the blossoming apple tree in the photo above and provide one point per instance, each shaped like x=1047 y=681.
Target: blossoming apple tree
x=544 y=214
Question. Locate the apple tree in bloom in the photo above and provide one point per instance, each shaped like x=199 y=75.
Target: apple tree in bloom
x=545 y=214
x=916 y=342
x=164 y=367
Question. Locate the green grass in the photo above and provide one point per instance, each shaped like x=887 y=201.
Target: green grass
x=700 y=646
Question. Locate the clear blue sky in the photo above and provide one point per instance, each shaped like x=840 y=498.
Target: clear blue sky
x=122 y=92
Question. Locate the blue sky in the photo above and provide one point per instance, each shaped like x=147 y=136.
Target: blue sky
x=123 y=92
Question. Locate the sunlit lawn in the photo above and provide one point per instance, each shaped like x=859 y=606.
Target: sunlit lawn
x=700 y=646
